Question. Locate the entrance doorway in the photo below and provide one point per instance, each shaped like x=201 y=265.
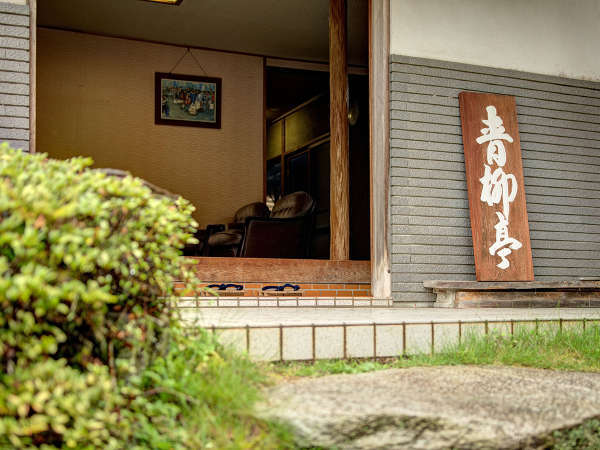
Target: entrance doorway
x=99 y=115
x=298 y=150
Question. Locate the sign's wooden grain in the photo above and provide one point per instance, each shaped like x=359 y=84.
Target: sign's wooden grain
x=495 y=185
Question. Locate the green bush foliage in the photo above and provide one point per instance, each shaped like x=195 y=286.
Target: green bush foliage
x=91 y=352
x=49 y=403
x=201 y=396
x=83 y=256
x=197 y=395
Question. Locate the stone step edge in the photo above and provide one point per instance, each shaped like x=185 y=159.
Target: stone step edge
x=371 y=340
x=283 y=302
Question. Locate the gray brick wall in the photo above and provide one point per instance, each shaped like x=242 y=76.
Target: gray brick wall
x=559 y=125
x=14 y=75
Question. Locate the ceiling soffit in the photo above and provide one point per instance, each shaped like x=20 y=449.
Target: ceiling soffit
x=288 y=29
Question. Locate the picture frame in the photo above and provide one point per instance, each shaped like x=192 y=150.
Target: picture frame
x=187 y=100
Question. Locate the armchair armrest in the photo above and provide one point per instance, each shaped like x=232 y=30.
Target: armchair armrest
x=215 y=228
x=235 y=226
x=202 y=235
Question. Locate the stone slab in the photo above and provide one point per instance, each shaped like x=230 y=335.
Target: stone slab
x=434 y=407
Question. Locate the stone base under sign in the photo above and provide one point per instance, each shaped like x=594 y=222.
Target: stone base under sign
x=473 y=294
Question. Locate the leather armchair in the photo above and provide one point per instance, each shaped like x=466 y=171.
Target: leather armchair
x=286 y=233
x=201 y=248
x=227 y=242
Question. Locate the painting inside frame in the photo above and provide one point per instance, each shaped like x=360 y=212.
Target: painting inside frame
x=187 y=100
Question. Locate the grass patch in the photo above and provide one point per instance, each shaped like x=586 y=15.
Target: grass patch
x=547 y=348
x=207 y=393
x=584 y=436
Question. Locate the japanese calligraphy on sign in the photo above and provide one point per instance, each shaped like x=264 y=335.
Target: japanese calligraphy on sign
x=495 y=186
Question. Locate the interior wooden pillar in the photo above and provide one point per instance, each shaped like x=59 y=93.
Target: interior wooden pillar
x=338 y=119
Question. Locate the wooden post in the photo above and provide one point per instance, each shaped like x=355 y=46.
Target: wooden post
x=379 y=89
x=32 y=73
x=338 y=119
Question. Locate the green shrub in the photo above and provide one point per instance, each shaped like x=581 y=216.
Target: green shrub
x=91 y=352
x=83 y=256
x=195 y=396
x=87 y=265
x=50 y=403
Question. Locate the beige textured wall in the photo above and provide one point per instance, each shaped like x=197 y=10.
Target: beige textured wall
x=95 y=97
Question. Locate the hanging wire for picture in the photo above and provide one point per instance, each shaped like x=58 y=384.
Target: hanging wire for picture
x=188 y=50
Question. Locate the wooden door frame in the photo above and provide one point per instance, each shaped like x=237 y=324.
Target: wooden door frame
x=379 y=116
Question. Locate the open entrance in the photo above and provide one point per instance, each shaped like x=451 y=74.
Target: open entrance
x=298 y=151
x=280 y=96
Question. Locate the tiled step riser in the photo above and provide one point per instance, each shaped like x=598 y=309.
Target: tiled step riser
x=313 y=342
x=282 y=302
x=309 y=290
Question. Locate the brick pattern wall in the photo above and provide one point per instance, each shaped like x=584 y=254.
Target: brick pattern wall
x=559 y=124
x=14 y=74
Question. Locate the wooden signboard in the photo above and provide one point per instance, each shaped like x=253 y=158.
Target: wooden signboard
x=495 y=185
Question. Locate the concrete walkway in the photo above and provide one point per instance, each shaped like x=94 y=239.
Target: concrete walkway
x=262 y=317
x=328 y=333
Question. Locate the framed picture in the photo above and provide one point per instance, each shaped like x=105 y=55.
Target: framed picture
x=187 y=100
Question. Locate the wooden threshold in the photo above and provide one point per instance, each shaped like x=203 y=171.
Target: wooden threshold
x=282 y=270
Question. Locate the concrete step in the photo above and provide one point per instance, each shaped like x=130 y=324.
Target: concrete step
x=298 y=333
